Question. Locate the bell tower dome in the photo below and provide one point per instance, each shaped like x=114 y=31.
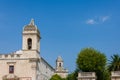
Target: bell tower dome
x=31 y=38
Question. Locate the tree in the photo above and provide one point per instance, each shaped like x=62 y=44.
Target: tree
x=106 y=74
x=56 y=77
x=114 y=64
x=73 y=75
x=91 y=60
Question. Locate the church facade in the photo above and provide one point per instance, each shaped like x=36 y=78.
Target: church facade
x=27 y=64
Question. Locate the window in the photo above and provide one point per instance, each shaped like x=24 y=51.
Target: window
x=29 y=42
x=59 y=64
x=11 y=69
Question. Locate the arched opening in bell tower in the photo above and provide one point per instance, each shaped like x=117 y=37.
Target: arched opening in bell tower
x=60 y=65
x=29 y=43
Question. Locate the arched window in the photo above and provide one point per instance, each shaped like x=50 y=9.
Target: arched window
x=29 y=42
x=59 y=64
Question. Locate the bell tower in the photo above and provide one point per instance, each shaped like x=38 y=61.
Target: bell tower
x=60 y=68
x=31 y=38
x=59 y=63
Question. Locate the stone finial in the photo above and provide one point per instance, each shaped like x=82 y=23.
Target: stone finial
x=32 y=22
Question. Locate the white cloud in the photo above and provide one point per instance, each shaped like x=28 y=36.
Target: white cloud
x=90 y=21
x=97 y=20
x=105 y=18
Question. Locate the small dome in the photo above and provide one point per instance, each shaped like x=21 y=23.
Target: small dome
x=59 y=59
x=31 y=27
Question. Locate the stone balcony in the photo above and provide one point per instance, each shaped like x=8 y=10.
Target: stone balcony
x=86 y=76
x=115 y=75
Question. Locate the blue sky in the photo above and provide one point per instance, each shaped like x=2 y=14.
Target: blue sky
x=66 y=26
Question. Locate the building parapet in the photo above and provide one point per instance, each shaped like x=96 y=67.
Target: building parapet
x=115 y=74
x=62 y=71
x=86 y=75
x=16 y=54
x=7 y=56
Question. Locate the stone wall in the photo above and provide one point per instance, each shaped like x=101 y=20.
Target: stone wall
x=115 y=75
x=86 y=76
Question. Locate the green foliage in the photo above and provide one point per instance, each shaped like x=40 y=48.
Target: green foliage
x=91 y=60
x=56 y=77
x=106 y=75
x=114 y=64
x=73 y=76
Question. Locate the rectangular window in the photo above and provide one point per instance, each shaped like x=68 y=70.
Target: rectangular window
x=11 y=69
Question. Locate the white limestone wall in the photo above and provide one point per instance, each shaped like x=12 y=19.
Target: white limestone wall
x=45 y=70
x=34 y=42
x=27 y=65
x=30 y=54
x=23 y=68
x=3 y=68
x=63 y=74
